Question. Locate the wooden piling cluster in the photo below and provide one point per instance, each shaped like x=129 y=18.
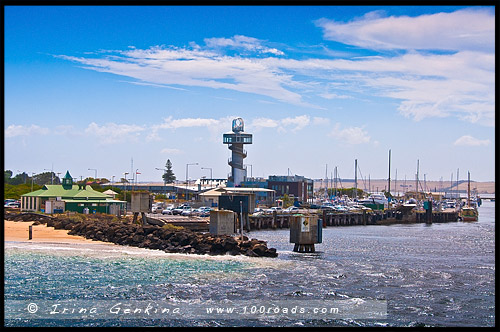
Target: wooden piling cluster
x=437 y=216
x=268 y=221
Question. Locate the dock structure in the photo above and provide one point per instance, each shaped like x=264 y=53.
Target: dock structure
x=329 y=219
x=388 y=216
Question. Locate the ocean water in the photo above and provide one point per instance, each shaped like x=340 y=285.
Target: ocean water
x=415 y=275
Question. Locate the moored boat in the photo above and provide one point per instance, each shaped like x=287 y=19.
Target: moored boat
x=468 y=214
x=375 y=201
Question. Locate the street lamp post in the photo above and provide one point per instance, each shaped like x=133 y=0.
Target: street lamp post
x=211 y=178
x=112 y=181
x=125 y=190
x=164 y=180
x=210 y=171
x=187 y=170
x=32 y=173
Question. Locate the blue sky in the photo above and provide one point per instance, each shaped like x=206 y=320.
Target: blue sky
x=97 y=87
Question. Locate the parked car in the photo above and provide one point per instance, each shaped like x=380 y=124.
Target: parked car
x=203 y=211
x=179 y=209
x=156 y=209
x=275 y=208
x=291 y=209
x=167 y=210
x=15 y=205
x=187 y=211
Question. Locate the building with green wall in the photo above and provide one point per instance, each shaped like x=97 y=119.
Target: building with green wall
x=70 y=197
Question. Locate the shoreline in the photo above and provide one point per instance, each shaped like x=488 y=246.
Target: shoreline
x=18 y=231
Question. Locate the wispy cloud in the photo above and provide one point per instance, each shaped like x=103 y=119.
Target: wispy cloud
x=468 y=140
x=20 y=130
x=241 y=42
x=171 y=151
x=187 y=122
x=114 y=133
x=264 y=123
x=289 y=123
x=215 y=126
x=298 y=122
x=350 y=135
x=439 y=65
x=466 y=29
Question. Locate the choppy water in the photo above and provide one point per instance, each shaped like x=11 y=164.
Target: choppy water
x=428 y=275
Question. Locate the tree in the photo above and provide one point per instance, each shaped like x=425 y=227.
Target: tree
x=7 y=175
x=18 y=179
x=46 y=178
x=15 y=191
x=168 y=176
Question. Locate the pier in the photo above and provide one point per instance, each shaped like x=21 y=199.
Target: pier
x=389 y=216
x=329 y=219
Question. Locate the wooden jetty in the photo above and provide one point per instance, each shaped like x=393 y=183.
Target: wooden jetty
x=388 y=216
x=329 y=219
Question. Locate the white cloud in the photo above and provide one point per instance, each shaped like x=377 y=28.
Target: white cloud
x=466 y=29
x=114 y=133
x=171 y=151
x=351 y=135
x=425 y=84
x=198 y=68
x=468 y=140
x=320 y=121
x=243 y=42
x=264 y=123
x=299 y=122
x=187 y=122
x=334 y=96
x=19 y=130
x=294 y=124
x=215 y=126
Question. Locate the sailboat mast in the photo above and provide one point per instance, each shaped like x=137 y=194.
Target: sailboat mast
x=416 y=182
x=389 y=180
x=355 y=178
x=335 y=181
x=468 y=189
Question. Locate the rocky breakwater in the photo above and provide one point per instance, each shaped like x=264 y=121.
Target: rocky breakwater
x=163 y=238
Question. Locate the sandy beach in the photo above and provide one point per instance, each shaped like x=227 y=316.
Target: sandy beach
x=19 y=231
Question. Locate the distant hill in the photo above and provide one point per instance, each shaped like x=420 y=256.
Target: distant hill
x=399 y=186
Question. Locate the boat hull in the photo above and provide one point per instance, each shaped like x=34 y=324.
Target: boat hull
x=469 y=215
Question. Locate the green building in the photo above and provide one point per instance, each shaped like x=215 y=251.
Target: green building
x=70 y=197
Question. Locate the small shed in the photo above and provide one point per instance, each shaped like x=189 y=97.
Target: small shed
x=110 y=193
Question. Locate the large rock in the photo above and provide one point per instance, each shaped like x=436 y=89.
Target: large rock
x=109 y=229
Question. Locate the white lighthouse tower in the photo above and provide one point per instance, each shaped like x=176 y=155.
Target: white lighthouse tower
x=236 y=139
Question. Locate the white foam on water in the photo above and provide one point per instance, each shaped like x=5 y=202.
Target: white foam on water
x=103 y=251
